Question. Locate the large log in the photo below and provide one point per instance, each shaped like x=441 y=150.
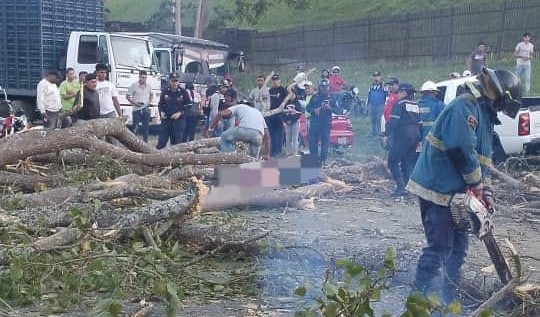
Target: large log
x=34 y=142
x=194 y=145
x=28 y=182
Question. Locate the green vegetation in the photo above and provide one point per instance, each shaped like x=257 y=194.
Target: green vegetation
x=129 y=10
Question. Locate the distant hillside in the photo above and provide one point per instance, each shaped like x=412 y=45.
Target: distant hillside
x=280 y=16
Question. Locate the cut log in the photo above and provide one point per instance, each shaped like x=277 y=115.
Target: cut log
x=532 y=180
x=509 y=180
x=194 y=145
x=34 y=142
x=29 y=182
x=224 y=198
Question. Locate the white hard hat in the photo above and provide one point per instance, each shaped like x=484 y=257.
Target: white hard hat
x=429 y=86
x=466 y=73
x=336 y=67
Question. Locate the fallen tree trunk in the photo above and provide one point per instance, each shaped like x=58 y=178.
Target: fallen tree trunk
x=194 y=145
x=28 y=182
x=509 y=180
x=221 y=198
x=34 y=142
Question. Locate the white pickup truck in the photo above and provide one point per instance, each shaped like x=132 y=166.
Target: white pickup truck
x=514 y=136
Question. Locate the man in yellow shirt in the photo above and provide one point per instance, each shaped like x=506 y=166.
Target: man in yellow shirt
x=69 y=89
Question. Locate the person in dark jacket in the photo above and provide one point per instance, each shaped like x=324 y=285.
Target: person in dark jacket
x=404 y=136
x=456 y=158
x=173 y=105
x=274 y=122
x=430 y=107
x=90 y=106
x=292 y=112
x=320 y=107
x=194 y=114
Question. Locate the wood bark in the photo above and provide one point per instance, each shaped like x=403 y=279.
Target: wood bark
x=509 y=180
x=28 y=182
x=194 y=145
x=34 y=142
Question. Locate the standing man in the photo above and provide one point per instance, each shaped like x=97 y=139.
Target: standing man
x=455 y=159
x=524 y=53
x=393 y=97
x=193 y=114
x=430 y=107
x=217 y=103
x=310 y=91
x=172 y=111
x=320 y=107
x=275 y=122
x=260 y=95
x=69 y=89
x=88 y=109
x=403 y=134
x=49 y=101
x=336 y=81
x=139 y=96
x=375 y=100
x=250 y=129
x=292 y=112
x=477 y=59
x=108 y=96
x=211 y=88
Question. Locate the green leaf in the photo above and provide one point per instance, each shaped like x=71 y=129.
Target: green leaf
x=386 y=314
x=454 y=308
x=331 y=310
x=138 y=246
x=390 y=258
x=330 y=290
x=173 y=302
x=486 y=313
x=376 y=295
x=300 y=291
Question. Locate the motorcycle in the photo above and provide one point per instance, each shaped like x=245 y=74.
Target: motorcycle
x=11 y=120
x=349 y=101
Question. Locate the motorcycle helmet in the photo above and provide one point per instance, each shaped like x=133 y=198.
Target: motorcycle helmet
x=503 y=88
x=324 y=86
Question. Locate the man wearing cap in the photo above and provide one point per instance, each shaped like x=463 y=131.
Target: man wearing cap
x=277 y=94
x=403 y=133
x=260 y=95
x=320 y=107
x=173 y=104
x=430 y=107
x=375 y=101
x=88 y=109
x=393 y=97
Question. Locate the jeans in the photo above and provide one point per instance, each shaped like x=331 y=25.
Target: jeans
x=376 y=113
x=524 y=73
x=53 y=119
x=173 y=130
x=251 y=136
x=112 y=114
x=401 y=160
x=275 y=129
x=191 y=128
x=319 y=131
x=446 y=248
x=291 y=138
x=141 y=121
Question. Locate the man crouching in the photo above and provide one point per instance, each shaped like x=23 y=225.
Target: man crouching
x=251 y=129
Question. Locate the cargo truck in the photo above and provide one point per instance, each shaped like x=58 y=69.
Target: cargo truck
x=41 y=35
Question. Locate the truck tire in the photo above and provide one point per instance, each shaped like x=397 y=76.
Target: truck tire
x=499 y=155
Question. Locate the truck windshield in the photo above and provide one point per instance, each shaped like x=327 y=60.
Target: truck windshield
x=131 y=52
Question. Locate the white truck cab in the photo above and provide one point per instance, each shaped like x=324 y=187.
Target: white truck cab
x=513 y=136
x=124 y=55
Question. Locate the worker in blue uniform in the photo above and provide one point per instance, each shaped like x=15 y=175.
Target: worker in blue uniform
x=320 y=107
x=403 y=134
x=455 y=159
x=173 y=105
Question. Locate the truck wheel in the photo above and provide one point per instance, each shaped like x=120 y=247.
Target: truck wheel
x=499 y=155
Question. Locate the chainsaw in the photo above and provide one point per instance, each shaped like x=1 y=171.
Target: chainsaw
x=482 y=226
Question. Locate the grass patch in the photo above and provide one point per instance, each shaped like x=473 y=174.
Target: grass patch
x=129 y=10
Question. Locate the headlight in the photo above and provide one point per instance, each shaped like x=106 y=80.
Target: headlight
x=355 y=90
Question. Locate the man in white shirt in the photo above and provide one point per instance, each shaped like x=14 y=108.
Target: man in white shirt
x=260 y=95
x=251 y=129
x=523 y=53
x=108 y=96
x=140 y=95
x=49 y=102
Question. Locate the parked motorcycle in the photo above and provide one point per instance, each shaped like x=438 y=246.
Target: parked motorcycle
x=11 y=120
x=349 y=102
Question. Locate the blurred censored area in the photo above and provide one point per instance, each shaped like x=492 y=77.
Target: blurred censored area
x=258 y=177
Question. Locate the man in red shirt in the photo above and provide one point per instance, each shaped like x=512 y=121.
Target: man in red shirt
x=336 y=81
x=393 y=86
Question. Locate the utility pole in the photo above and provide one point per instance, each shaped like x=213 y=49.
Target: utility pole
x=178 y=17
x=199 y=19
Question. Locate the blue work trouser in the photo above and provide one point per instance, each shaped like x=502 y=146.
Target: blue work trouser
x=446 y=248
x=141 y=121
x=401 y=160
x=275 y=129
x=319 y=131
x=173 y=130
x=376 y=113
